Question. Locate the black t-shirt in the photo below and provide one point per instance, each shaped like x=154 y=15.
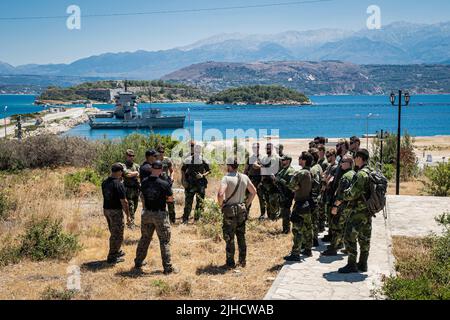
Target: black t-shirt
x=113 y=191
x=155 y=191
x=145 y=171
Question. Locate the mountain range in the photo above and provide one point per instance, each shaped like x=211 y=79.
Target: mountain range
x=315 y=78
x=397 y=43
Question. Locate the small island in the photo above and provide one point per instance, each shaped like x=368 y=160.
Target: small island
x=260 y=94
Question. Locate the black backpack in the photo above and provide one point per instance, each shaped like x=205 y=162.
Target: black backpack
x=378 y=185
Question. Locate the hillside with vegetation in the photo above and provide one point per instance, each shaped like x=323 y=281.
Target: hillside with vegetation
x=155 y=91
x=259 y=95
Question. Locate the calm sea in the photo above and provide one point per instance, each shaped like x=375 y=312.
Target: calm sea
x=331 y=116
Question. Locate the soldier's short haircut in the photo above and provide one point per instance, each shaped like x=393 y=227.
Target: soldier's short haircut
x=355 y=139
x=315 y=153
x=117 y=167
x=363 y=154
x=321 y=148
x=320 y=140
x=150 y=153
x=307 y=157
x=312 y=144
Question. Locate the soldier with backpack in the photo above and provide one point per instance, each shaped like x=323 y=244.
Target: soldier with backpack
x=366 y=197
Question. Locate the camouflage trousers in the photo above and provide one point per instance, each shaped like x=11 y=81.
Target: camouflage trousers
x=190 y=193
x=171 y=210
x=337 y=227
x=151 y=221
x=271 y=199
x=114 y=218
x=285 y=211
x=303 y=233
x=322 y=216
x=132 y=195
x=315 y=220
x=235 y=227
x=358 y=230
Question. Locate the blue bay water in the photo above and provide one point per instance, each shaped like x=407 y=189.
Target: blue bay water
x=331 y=116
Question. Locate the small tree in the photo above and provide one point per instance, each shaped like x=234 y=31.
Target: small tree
x=408 y=160
x=439 y=184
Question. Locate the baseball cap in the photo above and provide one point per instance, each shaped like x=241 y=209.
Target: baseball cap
x=157 y=165
x=130 y=153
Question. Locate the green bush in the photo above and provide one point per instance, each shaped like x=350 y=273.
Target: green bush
x=54 y=294
x=73 y=181
x=408 y=161
x=5 y=206
x=439 y=177
x=210 y=224
x=44 y=238
x=111 y=152
x=433 y=280
x=389 y=171
x=45 y=151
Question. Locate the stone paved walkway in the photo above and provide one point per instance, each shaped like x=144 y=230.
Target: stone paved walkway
x=316 y=278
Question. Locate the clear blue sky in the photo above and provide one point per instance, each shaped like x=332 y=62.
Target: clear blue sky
x=49 y=41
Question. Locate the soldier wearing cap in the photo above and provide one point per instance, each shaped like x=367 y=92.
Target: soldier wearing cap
x=195 y=171
x=131 y=182
x=167 y=175
x=156 y=193
x=114 y=204
x=282 y=180
x=146 y=167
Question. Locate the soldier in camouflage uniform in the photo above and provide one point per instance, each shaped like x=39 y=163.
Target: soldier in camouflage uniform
x=155 y=194
x=316 y=173
x=131 y=182
x=359 y=223
x=302 y=229
x=340 y=210
x=282 y=180
x=324 y=164
x=167 y=175
x=253 y=171
x=194 y=171
x=270 y=166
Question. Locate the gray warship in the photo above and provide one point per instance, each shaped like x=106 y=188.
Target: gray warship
x=127 y=115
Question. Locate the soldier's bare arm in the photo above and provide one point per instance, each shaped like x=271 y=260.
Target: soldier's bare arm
x=125 y=208
x=252 y=193
x=221 y=193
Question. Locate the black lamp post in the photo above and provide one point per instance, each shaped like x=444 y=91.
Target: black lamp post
x=406 y=97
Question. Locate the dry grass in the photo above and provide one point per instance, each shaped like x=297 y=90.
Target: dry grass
x=200 y=260
x=408 y=188
x=411 y=254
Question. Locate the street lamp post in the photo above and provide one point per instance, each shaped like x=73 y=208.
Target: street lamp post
x=367 y=128
x=406 y=97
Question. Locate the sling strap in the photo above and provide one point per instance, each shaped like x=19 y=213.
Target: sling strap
x=235 y=190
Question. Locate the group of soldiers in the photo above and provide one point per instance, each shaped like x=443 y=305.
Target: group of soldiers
x=328 y=190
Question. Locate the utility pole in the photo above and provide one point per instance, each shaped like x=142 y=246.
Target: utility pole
x=6 y=108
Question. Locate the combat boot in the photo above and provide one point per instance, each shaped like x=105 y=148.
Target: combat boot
x=231 y=264
x=330 y=252
x=362 y=264
x=115 y=260
x=293 y=258
x=171 y=270
x=307 y=252
x=139 y=266
x=351 y=267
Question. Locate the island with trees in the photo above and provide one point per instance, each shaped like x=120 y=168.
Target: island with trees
x=260 y=94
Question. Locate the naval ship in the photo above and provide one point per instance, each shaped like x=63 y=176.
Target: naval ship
x=127 y=115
